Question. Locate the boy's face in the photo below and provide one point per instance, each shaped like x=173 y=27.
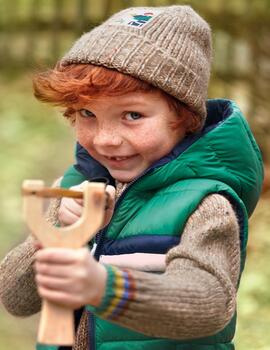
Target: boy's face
x=127 y=133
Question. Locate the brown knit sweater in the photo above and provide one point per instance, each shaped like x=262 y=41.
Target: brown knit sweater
x=194 y=297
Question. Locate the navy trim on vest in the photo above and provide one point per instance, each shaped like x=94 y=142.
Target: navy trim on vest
x=155 y=244
x=89 y=167
x=91 y=331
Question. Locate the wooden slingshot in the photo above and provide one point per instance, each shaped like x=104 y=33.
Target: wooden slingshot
x=56 y=325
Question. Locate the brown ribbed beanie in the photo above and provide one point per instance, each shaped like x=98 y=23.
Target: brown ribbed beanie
x=168 y=47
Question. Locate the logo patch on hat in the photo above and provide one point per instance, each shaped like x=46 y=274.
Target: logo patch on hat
x=137 y=17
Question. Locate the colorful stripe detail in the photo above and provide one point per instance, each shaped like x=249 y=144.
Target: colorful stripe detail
x=120 y=290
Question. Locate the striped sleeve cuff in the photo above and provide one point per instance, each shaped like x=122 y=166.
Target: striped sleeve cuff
x=120 y=288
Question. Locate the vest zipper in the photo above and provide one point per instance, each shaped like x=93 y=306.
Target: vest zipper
x=91 y=335
x=102 y=233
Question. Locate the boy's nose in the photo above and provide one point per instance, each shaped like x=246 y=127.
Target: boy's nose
x=107 y=138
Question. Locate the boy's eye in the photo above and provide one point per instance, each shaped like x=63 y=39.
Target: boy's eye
x=133 y=116
x=86 y=114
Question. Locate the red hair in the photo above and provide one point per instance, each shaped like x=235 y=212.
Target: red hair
x=68 y=85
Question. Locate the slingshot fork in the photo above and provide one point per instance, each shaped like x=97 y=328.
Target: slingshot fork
x=56 y=325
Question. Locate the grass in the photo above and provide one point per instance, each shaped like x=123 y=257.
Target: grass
x=38 y=143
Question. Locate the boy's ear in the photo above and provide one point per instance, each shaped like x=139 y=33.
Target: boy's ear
x=193 y=122
x=187 y=120
x=178 y=123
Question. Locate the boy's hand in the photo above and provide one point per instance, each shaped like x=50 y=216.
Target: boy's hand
x=70 y=277
x=71 y=209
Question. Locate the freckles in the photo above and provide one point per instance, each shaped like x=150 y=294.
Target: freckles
x=145 y=138
x=83 y=136
x=148 y=143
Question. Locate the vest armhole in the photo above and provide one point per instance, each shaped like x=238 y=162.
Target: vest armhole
x=72 y=177
x=241 y=216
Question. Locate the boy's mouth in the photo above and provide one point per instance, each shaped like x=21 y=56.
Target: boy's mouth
x=119 y=158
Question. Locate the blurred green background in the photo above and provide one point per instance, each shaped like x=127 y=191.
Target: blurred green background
x=36 y=142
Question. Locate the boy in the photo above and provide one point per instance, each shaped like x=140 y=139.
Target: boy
x=186 y=180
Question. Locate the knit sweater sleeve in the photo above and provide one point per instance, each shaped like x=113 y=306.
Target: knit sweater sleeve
x=196 y=295
x=18 y=291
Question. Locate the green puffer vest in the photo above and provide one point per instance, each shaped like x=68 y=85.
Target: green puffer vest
x=151 y=214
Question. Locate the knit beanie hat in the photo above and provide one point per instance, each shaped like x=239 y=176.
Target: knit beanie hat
x=168 y=47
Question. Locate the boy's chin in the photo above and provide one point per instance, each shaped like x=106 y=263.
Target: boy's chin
x=124 y=176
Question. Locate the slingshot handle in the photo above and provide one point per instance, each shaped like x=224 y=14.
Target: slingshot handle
x=56 y=325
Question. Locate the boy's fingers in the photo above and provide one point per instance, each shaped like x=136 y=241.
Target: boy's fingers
x=52 y=282
x=57 y=255
x=52 y=270
x=111 y=191
x=67 y=218
x=110 y=194
x=79 y=201
x=59 y=297
x=72 y=206
x=69 y=212
x=110 y=197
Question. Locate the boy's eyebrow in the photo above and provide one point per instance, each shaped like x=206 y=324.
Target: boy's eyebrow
x=130 y=103
x=122 y=102
x=134 y=100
